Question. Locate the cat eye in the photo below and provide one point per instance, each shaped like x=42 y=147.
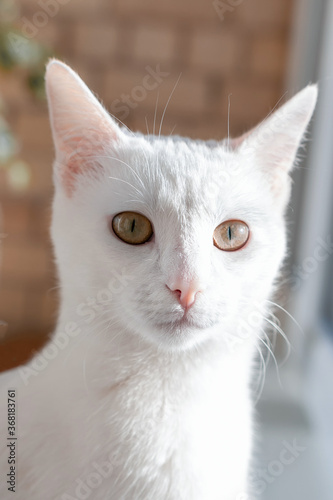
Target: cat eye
x=132 y=228
x=231 y=235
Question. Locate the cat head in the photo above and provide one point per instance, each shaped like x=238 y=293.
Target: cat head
x=169 y=239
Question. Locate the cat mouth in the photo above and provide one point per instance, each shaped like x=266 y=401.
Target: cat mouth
x=183 y=322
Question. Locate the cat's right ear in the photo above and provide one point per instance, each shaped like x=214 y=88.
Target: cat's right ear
x=275 y=141
x=81 y=128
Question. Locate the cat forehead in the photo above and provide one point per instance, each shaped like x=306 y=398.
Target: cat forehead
x=182 y=176
x=178 y=159
x=173 y=165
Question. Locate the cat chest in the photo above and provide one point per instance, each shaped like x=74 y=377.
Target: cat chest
x=157 y=430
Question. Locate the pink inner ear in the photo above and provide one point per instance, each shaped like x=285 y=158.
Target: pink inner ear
x=80 y=153
x=81 y=127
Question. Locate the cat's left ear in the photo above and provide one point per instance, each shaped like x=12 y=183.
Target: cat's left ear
x=274 y=142
x=82 y=129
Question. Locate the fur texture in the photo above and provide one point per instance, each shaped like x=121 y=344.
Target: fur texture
x=132 y=399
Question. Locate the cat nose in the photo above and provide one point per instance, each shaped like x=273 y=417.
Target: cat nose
x=185 y=291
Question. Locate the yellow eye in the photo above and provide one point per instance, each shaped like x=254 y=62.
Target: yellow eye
x=132 y=228
x=231 y=235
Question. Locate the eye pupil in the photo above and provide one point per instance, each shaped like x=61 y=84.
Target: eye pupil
x=231 y=235
x=132 y=228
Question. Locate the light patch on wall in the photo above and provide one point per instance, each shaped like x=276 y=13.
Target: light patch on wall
x=19 y=176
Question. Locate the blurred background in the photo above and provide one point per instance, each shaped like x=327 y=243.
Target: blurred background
x=249 y=54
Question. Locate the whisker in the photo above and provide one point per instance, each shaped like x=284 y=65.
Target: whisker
x=262 y=377
x=122 y=123
x=147 y=128
x=125 y=182
x=273 y=357
x=173 y=129
x=165 y=108
x=273 y=109
x=229 y=119
x=269 y=343
x=289 y=346
x=272 y=339
x=130 y=131
x=158 y=95
x=288 y=314
x=126 y=164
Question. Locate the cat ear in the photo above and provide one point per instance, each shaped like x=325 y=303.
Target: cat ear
x=80 y=125
x=276 y=140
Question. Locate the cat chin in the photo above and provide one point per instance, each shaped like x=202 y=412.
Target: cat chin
x=177 y=336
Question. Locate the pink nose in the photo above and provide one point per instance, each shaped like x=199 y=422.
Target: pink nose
x=186 y=292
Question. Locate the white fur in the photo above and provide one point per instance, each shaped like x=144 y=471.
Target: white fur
x=167 y=405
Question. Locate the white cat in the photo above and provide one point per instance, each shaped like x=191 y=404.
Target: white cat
x=167 y=252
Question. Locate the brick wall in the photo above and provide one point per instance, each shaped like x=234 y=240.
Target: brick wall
x=239 y=49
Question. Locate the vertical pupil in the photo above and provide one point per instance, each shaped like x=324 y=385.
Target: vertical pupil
x=229 y=232
x=133 y=224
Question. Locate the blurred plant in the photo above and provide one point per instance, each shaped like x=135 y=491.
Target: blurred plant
x=17 y=51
